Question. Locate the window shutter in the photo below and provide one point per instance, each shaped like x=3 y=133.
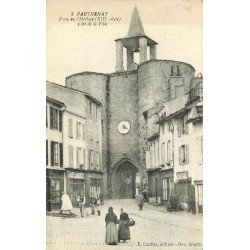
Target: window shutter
x=187 y=154
x=51 y=117
x=46 y=152
x=60 y=121
x=180 y=156
x=83 y=132
x=77 y=157
x=71 y=162
x=90 y=159
x=46 y=117
x=185 y=124
x=179 y=127
x=52 y=153
x=61 y=154
x=70 y=128
x=83 y=159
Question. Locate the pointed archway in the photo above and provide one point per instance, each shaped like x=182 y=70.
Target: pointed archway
x=125 y=179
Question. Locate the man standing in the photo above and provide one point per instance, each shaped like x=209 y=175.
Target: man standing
x=81 y=201
x=140 y=200
x=93 y=202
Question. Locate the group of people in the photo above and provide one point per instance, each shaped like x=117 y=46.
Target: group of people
x=94 y=204
x=113 y=236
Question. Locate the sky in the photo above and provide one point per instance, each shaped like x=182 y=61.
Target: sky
x=175 y=25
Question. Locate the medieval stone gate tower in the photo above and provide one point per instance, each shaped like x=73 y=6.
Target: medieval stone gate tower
x=127 y=95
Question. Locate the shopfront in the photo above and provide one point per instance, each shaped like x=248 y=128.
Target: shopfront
x=186 y=191
x=199 y=196
x=94 y=185
x=75 y=184
x=167 y=184
x=54 y=188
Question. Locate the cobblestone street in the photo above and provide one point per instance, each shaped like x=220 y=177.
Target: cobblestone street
x=154 y=227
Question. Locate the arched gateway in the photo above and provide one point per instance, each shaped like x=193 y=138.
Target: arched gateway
x=126 y=180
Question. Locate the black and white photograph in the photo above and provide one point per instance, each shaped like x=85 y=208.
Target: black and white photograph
x=124 y=124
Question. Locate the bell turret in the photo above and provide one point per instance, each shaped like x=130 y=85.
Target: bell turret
x=135 y=41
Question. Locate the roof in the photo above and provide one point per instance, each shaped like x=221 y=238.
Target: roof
x=153 y=137
x=54 y=101
x=87 y=73
x=135 y=31
x=79 y=91
x=74 y=100
x=135 y=27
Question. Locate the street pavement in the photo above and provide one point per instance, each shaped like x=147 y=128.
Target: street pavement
x=155 y=228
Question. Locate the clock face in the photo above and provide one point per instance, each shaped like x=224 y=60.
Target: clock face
x=124 y=127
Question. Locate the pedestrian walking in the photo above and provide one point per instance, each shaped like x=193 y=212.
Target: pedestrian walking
x=111 y=236
x=145 y=195
x=123 y=229
x=93 y=202
x=81 y=201
x=140 y=200
x=66 y=203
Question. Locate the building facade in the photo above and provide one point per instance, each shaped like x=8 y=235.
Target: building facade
x=174 y=155
x=54 y=153
x=133 y=99
x=79 y=145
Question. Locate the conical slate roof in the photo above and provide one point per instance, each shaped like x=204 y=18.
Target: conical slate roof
x=135 y=27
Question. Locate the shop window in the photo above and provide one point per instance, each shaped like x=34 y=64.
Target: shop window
x=78 y=130
x=183 y=154
x=77 y=187
x=71 y=156
x=200 y=198
x=56 y=189
x=70 y=128
x=165 y=188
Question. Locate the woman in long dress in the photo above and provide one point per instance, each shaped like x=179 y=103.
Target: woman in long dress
x=111 y=237
x=66 y=203
x=123 y=230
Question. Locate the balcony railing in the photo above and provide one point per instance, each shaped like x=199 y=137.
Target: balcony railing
x=195 y=93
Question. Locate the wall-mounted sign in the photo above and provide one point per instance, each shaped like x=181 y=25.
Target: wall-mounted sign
x=182 y=175
x=76 y=175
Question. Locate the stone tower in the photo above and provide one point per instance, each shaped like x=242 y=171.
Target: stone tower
x=127 y=96
x=136 y=41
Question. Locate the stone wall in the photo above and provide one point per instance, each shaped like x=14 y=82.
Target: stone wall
x=123 y=106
